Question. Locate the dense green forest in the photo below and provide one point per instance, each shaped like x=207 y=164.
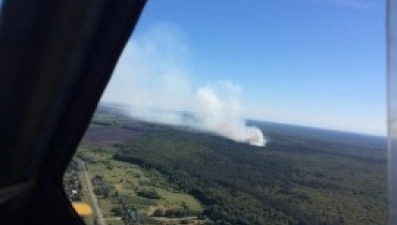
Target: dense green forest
x=303 y=176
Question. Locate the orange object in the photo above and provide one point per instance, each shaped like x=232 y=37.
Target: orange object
x=83 y=209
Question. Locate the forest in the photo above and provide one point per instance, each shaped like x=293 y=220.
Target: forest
x=303 y=176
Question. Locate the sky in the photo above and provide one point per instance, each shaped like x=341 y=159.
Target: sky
x=318 y=63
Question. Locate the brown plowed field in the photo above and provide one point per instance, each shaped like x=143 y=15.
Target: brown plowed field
x=107 y=136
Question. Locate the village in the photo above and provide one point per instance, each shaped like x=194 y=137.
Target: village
x=123 y=194
x=74 y=190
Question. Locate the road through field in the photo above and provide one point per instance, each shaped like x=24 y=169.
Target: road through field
x=94 y=199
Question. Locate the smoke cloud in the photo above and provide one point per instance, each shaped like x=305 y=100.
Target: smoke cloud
x=222 y=116
x=152 y=78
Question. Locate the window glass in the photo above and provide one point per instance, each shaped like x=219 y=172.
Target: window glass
x=235 y=112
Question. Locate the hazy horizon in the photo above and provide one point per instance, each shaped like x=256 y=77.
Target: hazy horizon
x=247 y=119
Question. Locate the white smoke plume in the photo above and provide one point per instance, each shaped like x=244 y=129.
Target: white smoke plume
x=222 y=116
x=152 y=78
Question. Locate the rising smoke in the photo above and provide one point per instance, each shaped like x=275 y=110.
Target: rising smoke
x=151 y=77
x=222 y=116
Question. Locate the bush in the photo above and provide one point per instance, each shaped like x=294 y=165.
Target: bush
x=200 y=216
x=116 y=211
x=150 y=194
x=159 y=212
x=175 y=213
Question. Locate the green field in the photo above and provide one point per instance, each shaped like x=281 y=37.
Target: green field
x=127 y=179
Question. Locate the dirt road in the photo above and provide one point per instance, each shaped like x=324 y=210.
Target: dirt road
x=94 y=199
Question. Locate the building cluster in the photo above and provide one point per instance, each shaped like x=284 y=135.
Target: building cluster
x=72 y=183
x=128 y=214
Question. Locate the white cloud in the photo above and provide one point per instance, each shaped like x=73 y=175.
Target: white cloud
x=151 y=73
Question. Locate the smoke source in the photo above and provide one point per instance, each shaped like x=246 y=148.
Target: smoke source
x=151 y=77
x=221 y=116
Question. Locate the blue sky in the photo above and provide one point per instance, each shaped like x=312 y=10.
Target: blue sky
x=318 y=63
